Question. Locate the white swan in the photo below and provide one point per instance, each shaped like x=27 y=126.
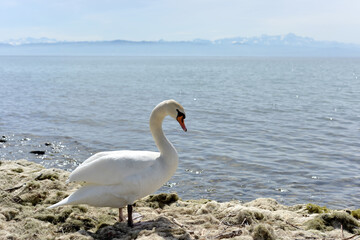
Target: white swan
x=118 y=178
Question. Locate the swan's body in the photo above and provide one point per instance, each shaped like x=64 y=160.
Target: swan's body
x=118 y=178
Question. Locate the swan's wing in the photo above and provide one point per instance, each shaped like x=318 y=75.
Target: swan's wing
x=112 y=167
x=97 y=156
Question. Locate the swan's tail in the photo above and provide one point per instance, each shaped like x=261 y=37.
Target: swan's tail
x=98 y=196
x=78 y=197
x=65 y=201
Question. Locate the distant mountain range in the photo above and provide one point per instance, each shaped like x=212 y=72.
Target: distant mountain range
x=29 y=40
x=282 y=45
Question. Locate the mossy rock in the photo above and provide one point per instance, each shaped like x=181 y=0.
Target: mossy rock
x=115 y=232
x=356 y=213
x=33 y=198
x=71 y=226
x=159 y=200
x=81 y=208
x=199 y=201
x=102 y=225
x=32 y=185
x=46 y=218
x=313 y=208
x=10 y=213
x=246 y=217
x=75 y=223
x=55 y=197
x=318 y=224
x=87 y=223
x=32 y=224
x=17 y=170
x=263 y=232
x=327 y=222
x=47 y=175
x=210 y=207
x=55 y=219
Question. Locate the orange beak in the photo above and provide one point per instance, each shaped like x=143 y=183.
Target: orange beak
x=180 y=119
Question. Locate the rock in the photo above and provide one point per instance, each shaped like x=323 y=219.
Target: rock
x=328 y=222
x=356 y=213
x=312 y=208
x=38 y=152
x=46 y=174
x=159 y=200
x=263 y=232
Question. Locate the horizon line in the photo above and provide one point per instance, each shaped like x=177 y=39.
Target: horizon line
x=48 y=40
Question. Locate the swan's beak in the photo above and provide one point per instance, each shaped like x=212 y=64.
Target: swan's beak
x=180 y=119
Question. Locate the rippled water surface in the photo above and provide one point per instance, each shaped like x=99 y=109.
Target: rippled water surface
x=285 y=128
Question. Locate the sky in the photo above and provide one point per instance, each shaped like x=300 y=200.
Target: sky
x=152 y=20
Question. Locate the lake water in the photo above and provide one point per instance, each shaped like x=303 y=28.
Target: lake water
x=283 y=128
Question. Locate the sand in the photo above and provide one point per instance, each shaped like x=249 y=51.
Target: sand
x=27 y=189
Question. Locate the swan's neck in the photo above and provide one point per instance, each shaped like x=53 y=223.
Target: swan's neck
x=167 y=150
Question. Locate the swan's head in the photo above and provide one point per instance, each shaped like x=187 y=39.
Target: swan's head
x=176 y=111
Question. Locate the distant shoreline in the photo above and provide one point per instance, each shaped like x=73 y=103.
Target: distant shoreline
x=289 y=45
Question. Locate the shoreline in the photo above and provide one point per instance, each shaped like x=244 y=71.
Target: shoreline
x=27 y=188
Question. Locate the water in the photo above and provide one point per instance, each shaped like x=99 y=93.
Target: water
x=285 y=128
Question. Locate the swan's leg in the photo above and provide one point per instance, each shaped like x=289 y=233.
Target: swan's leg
x=121 y=216
x=130 y=219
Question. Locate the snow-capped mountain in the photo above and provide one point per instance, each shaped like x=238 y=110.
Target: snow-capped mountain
x=29 y=40
x=264 y=45
x=280 y=40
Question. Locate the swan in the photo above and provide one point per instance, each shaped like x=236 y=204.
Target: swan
x=117 y=178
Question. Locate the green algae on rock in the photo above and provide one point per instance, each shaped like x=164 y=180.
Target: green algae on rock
x=356 y=213
x=313 y=208
x=330 y=221
x=158 y=201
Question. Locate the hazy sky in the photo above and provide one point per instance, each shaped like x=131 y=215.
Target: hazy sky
x=337 y=20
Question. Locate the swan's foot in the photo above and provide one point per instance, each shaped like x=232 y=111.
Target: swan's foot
x=131 y=216
x=121 y=216
x=130 y=219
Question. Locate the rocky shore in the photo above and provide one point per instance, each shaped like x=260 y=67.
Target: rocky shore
x=28 y=188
